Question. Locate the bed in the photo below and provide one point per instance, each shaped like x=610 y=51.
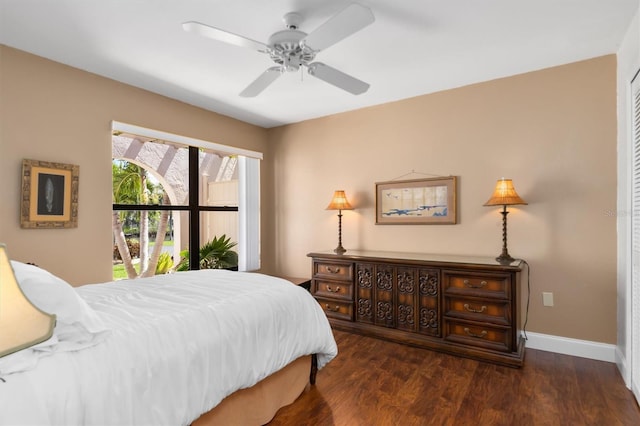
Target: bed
x=177 y=349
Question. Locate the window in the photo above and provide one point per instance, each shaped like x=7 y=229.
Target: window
x=173 y=195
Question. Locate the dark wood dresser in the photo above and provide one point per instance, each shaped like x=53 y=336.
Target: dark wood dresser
x=467 y=306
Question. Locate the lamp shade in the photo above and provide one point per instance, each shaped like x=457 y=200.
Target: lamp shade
x=339 y=202
x=21 y=323
x=504 y=194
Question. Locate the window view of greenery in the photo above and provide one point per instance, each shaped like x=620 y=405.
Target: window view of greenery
x=143 y=240
x=216 y=254
x=153 y=208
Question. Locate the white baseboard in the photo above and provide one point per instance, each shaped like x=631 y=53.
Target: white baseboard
x=574 y=347
x=625 y=372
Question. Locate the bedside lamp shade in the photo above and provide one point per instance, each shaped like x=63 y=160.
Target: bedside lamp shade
x=21 y=323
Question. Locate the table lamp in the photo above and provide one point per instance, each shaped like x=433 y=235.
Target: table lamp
x=339 y=202
x=504 y=195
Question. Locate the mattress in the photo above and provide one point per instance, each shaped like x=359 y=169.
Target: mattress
x=178 y=344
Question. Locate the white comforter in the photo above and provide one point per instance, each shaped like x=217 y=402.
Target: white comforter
x=179 y=344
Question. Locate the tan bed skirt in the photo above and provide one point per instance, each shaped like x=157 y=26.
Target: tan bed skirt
x=258 y=404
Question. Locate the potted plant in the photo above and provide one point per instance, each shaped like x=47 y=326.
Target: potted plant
x=216 y=254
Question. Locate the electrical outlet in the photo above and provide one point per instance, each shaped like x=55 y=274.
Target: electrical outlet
x=547 y=298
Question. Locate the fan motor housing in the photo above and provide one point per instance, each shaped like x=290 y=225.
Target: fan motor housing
x=286 y=49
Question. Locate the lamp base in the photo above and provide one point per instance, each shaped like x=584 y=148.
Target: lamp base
x=505 y=258
x=339 y=249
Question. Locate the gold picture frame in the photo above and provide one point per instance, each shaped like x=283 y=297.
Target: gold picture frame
x=429 y=201
x=49 y=195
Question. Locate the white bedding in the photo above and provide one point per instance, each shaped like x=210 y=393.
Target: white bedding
x=178 y=345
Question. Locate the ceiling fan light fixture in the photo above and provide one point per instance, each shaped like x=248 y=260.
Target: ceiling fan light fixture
x=291 y=64
x=292 y=48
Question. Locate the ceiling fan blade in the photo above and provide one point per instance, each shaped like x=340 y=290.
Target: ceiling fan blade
x=338 y=78
x=222 y=35
x=262 y=82
x=350 y=20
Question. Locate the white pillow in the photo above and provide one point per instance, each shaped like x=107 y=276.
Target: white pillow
x=53 y=295
x=78 y=326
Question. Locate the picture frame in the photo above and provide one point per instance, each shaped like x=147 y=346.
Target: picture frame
x=430 y=201
x=49 y=195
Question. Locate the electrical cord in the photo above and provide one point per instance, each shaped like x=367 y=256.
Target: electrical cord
x=526 y=316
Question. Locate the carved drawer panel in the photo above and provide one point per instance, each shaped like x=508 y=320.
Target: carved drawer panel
x=365 y=292
x=481 y=285
x=335 y=308
x=486 y=310
x=342 y=290
x=478 y=334
x=333 y=270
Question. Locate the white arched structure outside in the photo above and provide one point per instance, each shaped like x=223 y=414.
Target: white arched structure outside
x=165 y=156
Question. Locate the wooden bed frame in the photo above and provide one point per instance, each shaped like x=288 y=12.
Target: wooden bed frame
x=265 y=397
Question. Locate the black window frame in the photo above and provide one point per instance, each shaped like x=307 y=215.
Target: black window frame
x=193 y=207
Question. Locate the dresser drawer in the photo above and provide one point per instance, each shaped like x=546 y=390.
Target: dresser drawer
x=334 y=308
x=484 y=310
x=333 y=270
x=480 y=285
x=332 y=289
x=477 y=334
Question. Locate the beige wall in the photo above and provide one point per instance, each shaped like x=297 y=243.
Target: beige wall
x=53 y=112
x=552 y=131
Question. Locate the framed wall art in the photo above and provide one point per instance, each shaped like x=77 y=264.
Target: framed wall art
x=416 y=202
x=49 y=195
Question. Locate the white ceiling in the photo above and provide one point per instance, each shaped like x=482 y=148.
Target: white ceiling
x=414 y=47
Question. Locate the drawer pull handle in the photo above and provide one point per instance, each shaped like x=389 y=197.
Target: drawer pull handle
x=474 y=310
x=479 y=336
x=330 y=290
x=333 y=270
x=337 y=308
x=468 y=284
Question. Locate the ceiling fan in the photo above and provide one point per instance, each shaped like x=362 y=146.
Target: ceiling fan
x=291 y=49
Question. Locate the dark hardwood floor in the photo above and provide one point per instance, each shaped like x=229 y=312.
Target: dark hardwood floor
x=373 y=382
